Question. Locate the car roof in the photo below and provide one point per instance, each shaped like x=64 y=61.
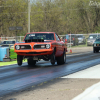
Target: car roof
x=98 y=37
x=9 y=40
x=40 y=32
x=94 y=34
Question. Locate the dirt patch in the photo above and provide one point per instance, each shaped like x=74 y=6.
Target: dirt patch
x=58 y=89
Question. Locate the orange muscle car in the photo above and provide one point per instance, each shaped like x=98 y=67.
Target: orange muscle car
x=41 y=45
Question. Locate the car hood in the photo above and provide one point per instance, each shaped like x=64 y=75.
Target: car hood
x=97 y=42
x=91 y=40
x=37 y=42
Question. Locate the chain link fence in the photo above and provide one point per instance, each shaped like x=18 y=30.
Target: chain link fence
x=68 y=38
x=18 y=38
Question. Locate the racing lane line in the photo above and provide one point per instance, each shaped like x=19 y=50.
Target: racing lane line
x=93 y=72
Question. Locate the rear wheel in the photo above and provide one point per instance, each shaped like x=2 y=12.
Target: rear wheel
x=53 y=58
x=19 y=60
x=62 y=59
x=30 y=61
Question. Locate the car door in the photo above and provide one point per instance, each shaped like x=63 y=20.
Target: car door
x=58 y=45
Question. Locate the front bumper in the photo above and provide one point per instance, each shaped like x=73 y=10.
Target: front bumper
x=80 y=41
x=97 y=48
x=34 y=52
x=90 y=43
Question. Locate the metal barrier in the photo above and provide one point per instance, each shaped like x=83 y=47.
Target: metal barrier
x=11 y=55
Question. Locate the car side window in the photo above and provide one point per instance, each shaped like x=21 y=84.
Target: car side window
x=57 y=38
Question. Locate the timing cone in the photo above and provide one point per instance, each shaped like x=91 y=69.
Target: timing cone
x=70 y=51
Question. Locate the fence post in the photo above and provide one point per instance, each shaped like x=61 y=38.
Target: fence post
x=20 y=38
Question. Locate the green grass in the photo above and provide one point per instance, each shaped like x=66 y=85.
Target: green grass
x=81 y=45
x=9 y=63
x=78 y=46
x=13 y=55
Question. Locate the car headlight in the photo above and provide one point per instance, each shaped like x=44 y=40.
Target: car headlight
x=47 y=46
x=95 y=45
x=17 y=47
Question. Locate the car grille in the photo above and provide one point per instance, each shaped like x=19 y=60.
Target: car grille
x=39 y=46
x=97 y=44
x=24 y=47
x=34 y=40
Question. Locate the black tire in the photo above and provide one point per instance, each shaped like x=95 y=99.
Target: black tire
x=97 y=50
x=19 y=60
x=94 y=51
x=62 y=59
x=53 y=58
x=30 y=61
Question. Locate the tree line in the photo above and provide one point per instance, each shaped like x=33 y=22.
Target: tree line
x=60 y=16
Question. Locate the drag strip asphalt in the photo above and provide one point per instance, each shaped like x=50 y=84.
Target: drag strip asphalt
x=15 y=78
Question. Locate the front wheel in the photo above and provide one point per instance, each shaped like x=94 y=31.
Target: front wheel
x=30 y=61
x=19 y=60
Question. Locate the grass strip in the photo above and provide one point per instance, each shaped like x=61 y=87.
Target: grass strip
x=9 y=63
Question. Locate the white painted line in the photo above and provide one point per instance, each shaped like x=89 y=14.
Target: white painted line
x=93 y=72
x=91 y=93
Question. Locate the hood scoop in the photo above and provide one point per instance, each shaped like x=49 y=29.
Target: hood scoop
x=34 y=40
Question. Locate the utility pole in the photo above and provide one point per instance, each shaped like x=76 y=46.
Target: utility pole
x=28 y=16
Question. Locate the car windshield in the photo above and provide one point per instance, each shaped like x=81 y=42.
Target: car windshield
x=44 y=36
x=92 y=36
x=8 y=42
x=80 y=36
x=98 y=39
x=72 y=36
